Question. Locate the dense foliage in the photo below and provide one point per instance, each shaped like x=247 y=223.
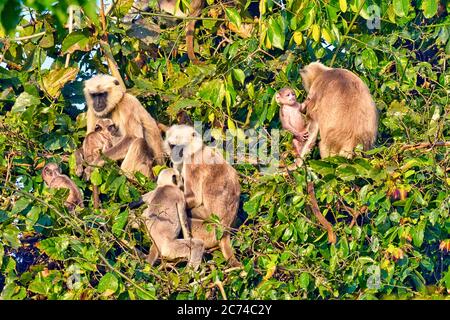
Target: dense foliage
x=399 y=245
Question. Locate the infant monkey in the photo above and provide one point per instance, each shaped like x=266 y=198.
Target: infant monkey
x=292 y=118
x=104 y=136
x=165 y=217
x=55 y=179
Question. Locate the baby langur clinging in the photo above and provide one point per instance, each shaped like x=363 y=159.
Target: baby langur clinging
x=104 y=136
x=292 y=118
x=141 y=141
x=165 y=217
x=53 y=177
x=340 y=108
x=211 y=186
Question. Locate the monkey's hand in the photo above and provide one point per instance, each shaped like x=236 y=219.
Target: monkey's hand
x=88 y=172
x=302 y=136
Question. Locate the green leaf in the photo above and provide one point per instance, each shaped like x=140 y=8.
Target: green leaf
x=25 y=100
x=20 y=205
x=276 y=34
x=149 y=293
x=54 y=247
x=447 y=279
x=213 y=91
x=369 y=58
x=77 y=40
x=2 y=254
x=234 y=17
x=96 y=177
x=304 y=280
x=239 y=75
x=307 y=21
x=90 y=9
x=55 y=80
x=429 y=8
x=252 y=205
x=262 y=7
x=9 y=15
x=108 y=284
x=11 y=291
x=343 y=5
x=119 y=223
x=418 y=233
x=122 y=7
x=315 y=31
x=11 y=236
x=182 y=104
x=401 y=7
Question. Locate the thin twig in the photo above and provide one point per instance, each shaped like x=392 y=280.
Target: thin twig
x=107 y=49
x=28 y=37
x=219 y=284
x=346 y=33
x=425 y=145
x=70 y=25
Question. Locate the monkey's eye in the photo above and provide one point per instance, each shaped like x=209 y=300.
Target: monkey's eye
x=97 y=128
x=112 y=128
x=116 y=82
x=174 y=179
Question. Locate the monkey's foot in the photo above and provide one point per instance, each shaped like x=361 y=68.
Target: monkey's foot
x=292 y=167
x=299 y=162
x=234 y=263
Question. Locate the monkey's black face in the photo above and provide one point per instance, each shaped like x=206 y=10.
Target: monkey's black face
x=176 y=151
x=100 y=100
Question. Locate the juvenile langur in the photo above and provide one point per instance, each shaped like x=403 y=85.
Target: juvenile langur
x=165 y=217
x=292 y=118
x=104 y=136
x=141 y=141
x=340 y=108
x=211 y=185
x=53 y=178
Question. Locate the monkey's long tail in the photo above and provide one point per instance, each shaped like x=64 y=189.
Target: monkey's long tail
x=196 y=10
x=96 y=196
x=190 y=28
x=154 y=139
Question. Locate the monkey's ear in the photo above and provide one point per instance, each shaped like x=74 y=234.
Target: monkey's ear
x=116 y=82
x=174 y=180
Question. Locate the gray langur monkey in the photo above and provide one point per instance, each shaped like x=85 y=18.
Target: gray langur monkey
x=340 y=109
x=292 y=118
x=141 y=143
x=165 y=217
x=211 y=186
x=53 y=178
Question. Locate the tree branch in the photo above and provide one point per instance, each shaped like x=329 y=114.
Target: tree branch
x=425 y=145
x=107 y=49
